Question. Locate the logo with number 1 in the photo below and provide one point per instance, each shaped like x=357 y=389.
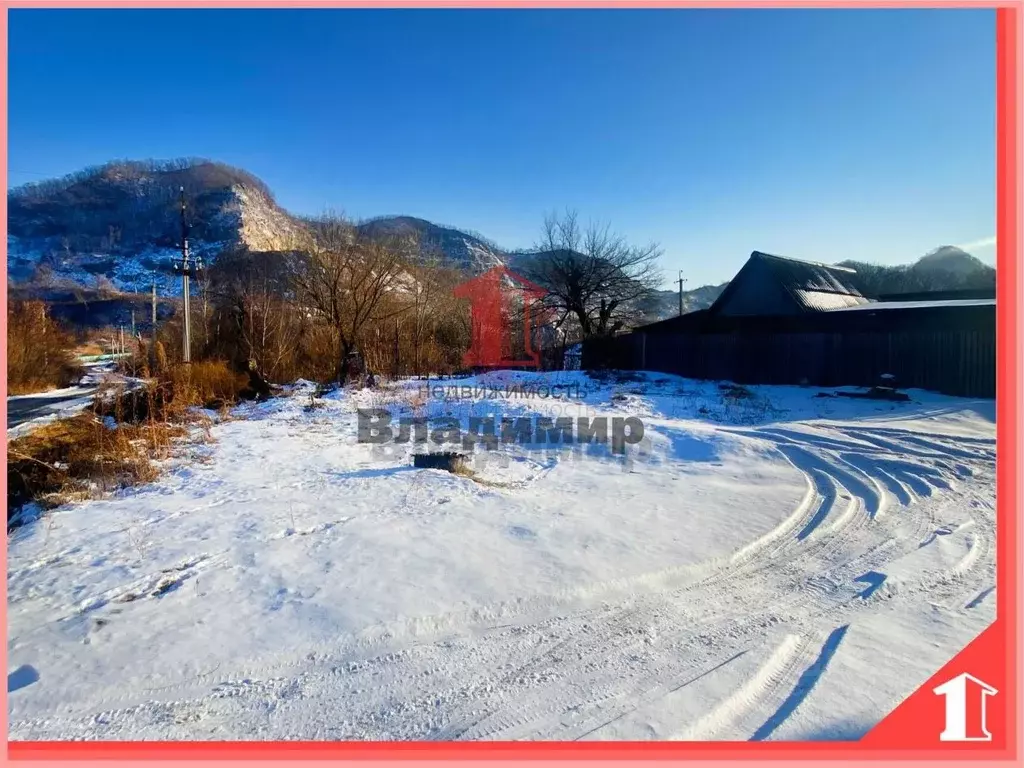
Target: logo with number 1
x=965 y=708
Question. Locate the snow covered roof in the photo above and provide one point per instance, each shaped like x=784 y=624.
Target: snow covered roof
x=825 y=302
x=918 y=304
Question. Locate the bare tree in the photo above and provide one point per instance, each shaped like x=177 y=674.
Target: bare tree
x=592 y=275
x=344 y=278
x=253 y=314
x=431 y=303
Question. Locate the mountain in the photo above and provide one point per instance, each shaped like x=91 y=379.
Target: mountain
x=946 y=268
x=951 y=261
x=665 y=304
x=118 y=225
x=466 y=251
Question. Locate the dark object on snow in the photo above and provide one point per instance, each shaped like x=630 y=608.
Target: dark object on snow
x=448 y=461
x=371 y=380
x=352 y=367
x=735 y=391
x=884 y=390
x=886 y=381
x=326 y=389
x=257 y=384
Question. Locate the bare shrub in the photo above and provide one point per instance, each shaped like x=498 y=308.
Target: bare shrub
x=39 y=353
x=346 y=279
x=207 y=383
x=158 y=359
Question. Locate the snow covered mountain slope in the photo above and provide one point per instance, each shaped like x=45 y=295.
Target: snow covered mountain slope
x=468 y=252
x=118 y=225
x=741 y=576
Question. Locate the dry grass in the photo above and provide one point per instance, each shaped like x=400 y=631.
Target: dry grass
x=83 y=457
x=38 y=350
x=117 y=443
x=90 y=347
x=732 y=391
x=172 y=396
x=210 y=383
x=388 y=395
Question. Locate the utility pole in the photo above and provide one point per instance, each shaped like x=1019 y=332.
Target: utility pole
x=398 y=352
x=187 y=271
x=187 y=352
x=154 y=305
x=133 y=322
x=681 y=281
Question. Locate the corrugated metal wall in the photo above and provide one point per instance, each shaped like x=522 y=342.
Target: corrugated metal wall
x=953 y=362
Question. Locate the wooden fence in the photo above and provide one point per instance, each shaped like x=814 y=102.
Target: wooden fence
x=953 y=362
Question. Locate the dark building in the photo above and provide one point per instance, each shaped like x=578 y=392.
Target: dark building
x=771 y=287
x=783 y=321
x=779 y=294
x=779 y=286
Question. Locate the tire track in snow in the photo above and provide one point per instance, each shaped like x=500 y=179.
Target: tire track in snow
x=727 y=713
x=588 y=651
x=806 y=682
x=557 y=680
x=871 y=472
x=923 y=446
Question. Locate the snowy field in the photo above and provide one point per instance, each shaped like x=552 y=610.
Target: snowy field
x=778 y=566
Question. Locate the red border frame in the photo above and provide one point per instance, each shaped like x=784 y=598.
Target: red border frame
x=1008 y=358
x=1005 y=632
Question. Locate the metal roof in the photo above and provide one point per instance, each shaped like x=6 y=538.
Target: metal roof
x=827 y=302
x=807 y=281
x=919 y=304
x=762 y=286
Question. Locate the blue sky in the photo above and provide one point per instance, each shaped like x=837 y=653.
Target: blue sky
x=819 y=134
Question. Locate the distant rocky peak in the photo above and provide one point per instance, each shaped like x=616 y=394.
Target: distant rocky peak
x=949 y=258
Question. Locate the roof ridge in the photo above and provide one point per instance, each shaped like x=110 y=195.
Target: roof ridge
x=762 y=254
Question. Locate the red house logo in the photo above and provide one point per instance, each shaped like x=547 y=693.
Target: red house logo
x=492 y=299
x=965 y=708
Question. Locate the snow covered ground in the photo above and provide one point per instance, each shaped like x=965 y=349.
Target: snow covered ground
x=773 y=567
x=131 y=272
